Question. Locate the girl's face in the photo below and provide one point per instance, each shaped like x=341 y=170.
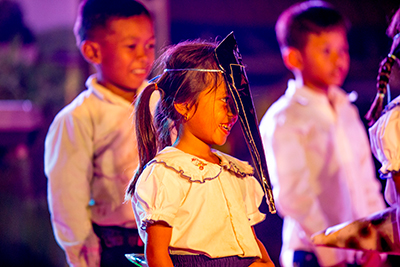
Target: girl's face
x=211 y=121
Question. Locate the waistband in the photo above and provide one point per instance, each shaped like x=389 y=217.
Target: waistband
x=114 y=236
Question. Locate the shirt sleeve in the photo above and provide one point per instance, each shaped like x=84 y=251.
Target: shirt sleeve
x=157 y=196
x=254 y=196
x=69 y=169
x=385 y=141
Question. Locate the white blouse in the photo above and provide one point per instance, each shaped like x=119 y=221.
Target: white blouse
x=210 y=207
x=385 y=144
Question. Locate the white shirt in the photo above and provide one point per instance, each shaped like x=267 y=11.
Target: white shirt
x=210 y=207
x=385 y=144
x=320 y=166
x=90 y=157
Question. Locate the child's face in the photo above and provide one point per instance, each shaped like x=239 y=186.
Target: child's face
x=214 y=117
x=325 y=59
x=127 y=53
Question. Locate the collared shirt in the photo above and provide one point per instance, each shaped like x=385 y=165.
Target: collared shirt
x=320 y=166
x=385 y=144
x=90 y=157
x=210 y=207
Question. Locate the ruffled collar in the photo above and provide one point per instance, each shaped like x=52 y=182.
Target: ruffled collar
x=199 y=170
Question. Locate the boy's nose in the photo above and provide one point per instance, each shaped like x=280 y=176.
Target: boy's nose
x=143 y=55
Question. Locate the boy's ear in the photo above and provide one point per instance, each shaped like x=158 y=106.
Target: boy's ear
x=91 y=51
x=292 y=58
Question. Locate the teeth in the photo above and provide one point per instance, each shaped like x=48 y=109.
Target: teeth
x=139 y=71
x=225 y=126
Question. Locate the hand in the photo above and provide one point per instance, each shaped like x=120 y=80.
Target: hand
x=371 y=259
x=91 y=251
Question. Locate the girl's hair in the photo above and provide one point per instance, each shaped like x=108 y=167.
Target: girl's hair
x=385 y=69
x=180 y=82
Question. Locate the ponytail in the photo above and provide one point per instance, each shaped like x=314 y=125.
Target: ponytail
x=146 y=135
x=376 y=108
x=385 y=69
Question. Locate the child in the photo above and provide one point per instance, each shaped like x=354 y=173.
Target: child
x=90 y=151
x=316 y=147
x=194 y=206
x=384 y=133
x=380 y=231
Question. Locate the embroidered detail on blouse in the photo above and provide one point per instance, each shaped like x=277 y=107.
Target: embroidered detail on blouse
x=198 y=163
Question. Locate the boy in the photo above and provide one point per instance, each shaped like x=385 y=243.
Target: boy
x=316 y=147
x=90 y=148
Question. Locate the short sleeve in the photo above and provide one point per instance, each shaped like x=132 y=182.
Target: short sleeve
x=158 y=196
x=385 y=141
x=253 y=198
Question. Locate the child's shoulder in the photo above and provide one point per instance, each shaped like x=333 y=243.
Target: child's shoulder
x=240 y=167
x=79 y=107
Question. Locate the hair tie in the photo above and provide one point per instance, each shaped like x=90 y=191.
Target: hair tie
x=392 y=56
x=156 y=86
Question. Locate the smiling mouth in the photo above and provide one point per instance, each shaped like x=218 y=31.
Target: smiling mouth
x=139 y=71
x=226 y=127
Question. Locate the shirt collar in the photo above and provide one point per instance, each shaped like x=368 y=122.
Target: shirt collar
x=305 y=95
x=105 y=94
x=199 y=170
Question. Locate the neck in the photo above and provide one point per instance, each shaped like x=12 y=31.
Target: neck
x=127 y=94
x=198 y=149
x=316 y=88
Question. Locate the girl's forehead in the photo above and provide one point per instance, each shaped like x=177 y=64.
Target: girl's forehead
x=218 y=88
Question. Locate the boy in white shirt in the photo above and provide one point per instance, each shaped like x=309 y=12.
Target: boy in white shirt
x=317 y=149
x=90 y=148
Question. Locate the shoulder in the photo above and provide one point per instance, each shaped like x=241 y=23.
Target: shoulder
x=288 y=114
x=78 y=106
x=232 y=164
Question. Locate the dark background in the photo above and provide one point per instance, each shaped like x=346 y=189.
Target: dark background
x=57 y=73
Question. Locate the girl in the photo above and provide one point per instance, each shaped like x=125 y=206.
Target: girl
x=385 y=133
x=195 y=206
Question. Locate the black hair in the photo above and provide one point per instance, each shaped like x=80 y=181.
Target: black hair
x=385 y=69
x=298 y=21
x=95 y=14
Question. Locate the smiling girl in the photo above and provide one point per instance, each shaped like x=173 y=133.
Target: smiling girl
x=194 y=205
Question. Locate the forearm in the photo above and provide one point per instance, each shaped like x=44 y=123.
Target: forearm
x=158 y=238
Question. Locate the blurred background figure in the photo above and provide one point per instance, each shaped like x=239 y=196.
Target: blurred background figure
x=18 y=53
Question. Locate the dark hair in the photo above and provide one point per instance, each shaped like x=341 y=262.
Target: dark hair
x=95 y=14
x=181 y=86
x=298 y=21
x=385 y=69
x=394 y=26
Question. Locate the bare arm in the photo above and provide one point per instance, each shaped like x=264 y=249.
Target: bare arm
x=158 y=239
x=396 y=179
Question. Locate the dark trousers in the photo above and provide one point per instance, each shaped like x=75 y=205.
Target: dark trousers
x=204 y=261
x=115 y=243
x=308 y=259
